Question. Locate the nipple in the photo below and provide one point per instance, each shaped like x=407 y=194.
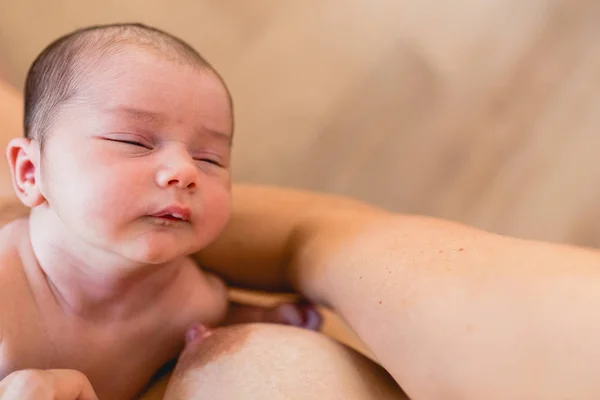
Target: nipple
x=197 y=333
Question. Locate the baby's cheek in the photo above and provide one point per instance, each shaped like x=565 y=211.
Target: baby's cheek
x=216 y=213
x=101 y=218
x=112 y=208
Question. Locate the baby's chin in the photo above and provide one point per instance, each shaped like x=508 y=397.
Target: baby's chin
x=159 y=249
x=158 y=253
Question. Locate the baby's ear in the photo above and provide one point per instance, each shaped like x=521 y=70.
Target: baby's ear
x=23 y=157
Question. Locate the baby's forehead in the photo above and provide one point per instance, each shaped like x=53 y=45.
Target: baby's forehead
x=104 y=49
x=113 y=73
x=134 y=86
x=96 y=63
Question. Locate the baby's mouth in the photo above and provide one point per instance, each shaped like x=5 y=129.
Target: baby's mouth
x=171 y=217
x=174 y=213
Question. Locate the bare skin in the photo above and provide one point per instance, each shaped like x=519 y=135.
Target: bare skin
x=265 y=361
x=51 y=384
x=39 y=332
x=98 y=281
x=130 y=350
x=449 y=311
x=84 y=278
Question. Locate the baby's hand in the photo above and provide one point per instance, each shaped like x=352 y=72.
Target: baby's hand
x=52 y=384
x=300 y=314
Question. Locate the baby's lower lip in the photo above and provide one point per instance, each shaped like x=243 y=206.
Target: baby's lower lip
x=166 y=220
x=169 y=217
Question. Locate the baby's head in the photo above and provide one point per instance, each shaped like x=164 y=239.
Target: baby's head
x=127 y=142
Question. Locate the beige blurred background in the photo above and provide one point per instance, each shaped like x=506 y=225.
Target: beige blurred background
x=486 y=112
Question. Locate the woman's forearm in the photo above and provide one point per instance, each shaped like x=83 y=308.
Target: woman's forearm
x=453 y=312
x=450 y=311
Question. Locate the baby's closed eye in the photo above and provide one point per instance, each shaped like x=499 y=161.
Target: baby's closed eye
x=130 y=139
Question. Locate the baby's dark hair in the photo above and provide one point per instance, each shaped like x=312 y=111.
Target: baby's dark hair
x=62 y=67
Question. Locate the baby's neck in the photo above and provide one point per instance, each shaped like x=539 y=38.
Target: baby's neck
x=91 y=284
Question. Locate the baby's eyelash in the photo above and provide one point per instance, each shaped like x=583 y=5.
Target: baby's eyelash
x=131 y=142
x=205 y=159
x=210 y=161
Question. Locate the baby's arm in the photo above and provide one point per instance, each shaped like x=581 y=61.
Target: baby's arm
x=450 y=311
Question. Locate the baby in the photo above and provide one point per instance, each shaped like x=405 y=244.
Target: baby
x=126 y=167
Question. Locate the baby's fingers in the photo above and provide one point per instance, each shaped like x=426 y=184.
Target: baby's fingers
x=299 y=314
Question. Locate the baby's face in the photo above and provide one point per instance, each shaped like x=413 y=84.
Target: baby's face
x=138 y=163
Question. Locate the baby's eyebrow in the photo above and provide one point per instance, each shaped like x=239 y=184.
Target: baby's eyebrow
x=222 y=137
x=152 y=117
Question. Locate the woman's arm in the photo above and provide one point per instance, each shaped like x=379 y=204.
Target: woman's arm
x=11 y=112
x=11 y=116
x=450 y=311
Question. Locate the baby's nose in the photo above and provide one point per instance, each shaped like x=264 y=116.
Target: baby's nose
x=182 y=175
